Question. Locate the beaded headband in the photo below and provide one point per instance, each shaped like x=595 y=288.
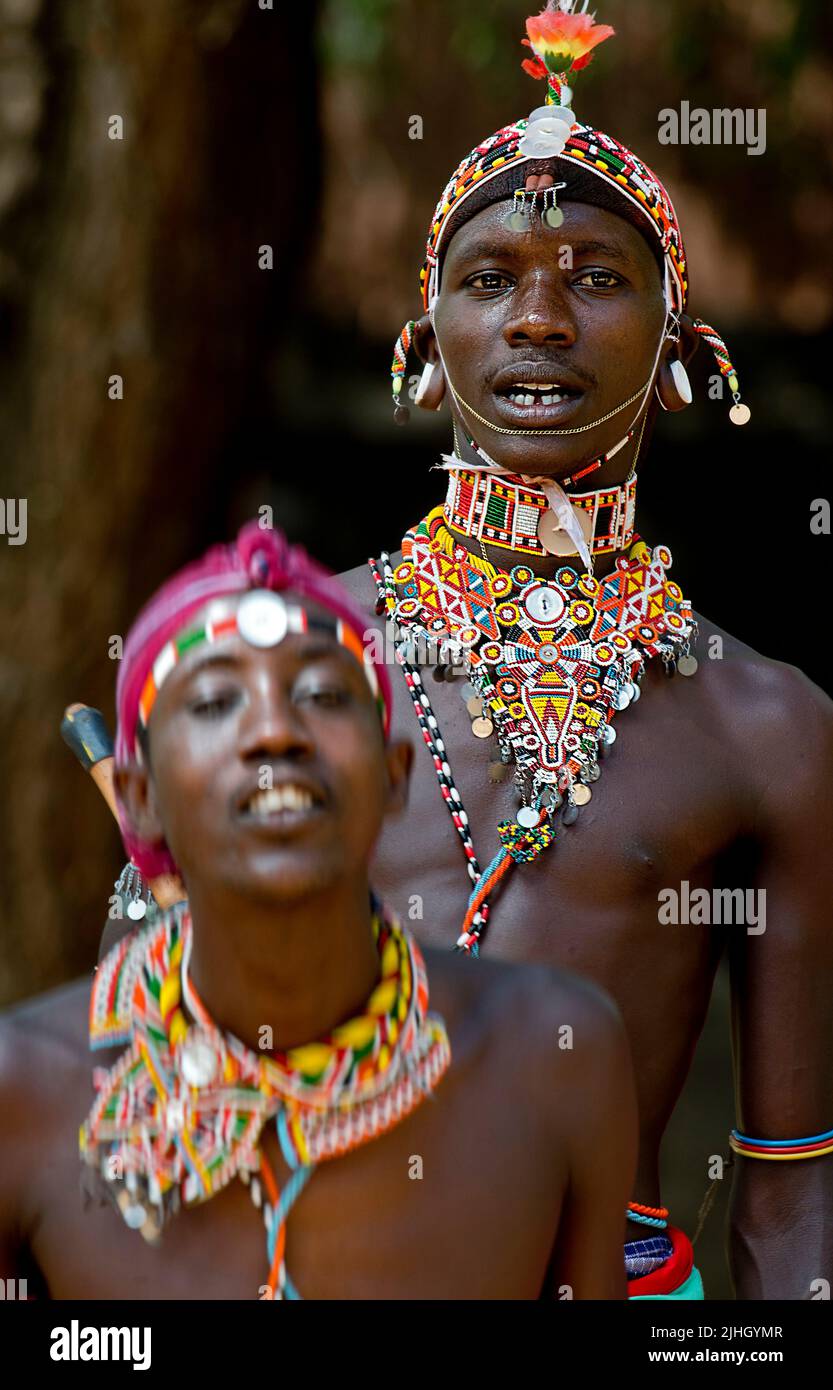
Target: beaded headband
x=263 y=619
x=562 y=43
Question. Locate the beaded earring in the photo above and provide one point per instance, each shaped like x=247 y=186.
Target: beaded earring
x=399 y=367
x=740 y=414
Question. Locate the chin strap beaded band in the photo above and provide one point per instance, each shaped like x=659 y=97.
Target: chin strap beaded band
x=781 y=1150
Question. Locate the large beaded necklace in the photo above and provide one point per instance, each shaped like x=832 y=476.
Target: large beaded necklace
x=549 y=663
x=181 y=1113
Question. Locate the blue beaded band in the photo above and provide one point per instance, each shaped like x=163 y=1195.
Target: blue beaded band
x=645 y=1220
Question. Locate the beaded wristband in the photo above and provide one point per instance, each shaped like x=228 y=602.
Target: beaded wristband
x=641 y=1220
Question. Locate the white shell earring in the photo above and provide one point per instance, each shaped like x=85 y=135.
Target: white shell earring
x=679 y=376
x=424 y=381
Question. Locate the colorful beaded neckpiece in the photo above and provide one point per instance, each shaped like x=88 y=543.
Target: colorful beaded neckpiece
x=550 y=662
x=507 y=512
x=181 y=1113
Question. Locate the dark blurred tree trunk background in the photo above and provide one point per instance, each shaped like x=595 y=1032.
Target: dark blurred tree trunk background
x=136 y=257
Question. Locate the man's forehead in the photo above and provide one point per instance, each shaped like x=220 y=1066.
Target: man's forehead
x=601 y=230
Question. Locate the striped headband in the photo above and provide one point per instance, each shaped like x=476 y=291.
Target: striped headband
x=258 y=566
x=262 y=619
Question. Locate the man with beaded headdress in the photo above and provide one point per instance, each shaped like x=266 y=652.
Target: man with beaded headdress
x=270 y=1040
x=555 y=290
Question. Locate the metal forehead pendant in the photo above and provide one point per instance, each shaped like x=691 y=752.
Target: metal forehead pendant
x=557 y=541
x=262 y=619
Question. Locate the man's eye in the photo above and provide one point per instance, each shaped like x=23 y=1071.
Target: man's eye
x=327 y=696
x=489 y=280
x=598 y=280
x=210 y=706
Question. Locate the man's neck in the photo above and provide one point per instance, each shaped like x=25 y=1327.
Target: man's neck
x=298 y=969
x=611 y=474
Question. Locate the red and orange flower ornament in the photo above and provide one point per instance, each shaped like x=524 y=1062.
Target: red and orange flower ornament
x=562 y=42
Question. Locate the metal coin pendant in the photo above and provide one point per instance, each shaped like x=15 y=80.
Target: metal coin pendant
x=544 y=605
x=475 y=706
x=135 y=1216
x=482 y=727
x=740 y=414
x=137 y=909
x=688 y=665
x=198 y=1061
x=517 y=222
x=528 y=817
x=581 y=794
x=570 y=815
x=622 y=700
x=557 y=541
x=262 y=618
x=553 y=217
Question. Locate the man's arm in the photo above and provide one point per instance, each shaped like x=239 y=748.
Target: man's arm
x=781 y=1222
x=598 y=1122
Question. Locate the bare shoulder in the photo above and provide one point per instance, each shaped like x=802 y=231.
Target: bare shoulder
x=43 y=1055
x=550 y=1025
x=360 y=585
x=45 y=1085
x=774 y=716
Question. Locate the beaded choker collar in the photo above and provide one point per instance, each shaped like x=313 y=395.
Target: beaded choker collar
x=509 y=513
x=549 y=663
x=181 y=1113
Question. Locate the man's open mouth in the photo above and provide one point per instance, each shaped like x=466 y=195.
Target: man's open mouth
x=536 y=395
x=289 y=804
x=533 y=393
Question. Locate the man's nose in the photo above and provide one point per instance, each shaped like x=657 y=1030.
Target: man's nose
x=540 y=313
x=272 y=723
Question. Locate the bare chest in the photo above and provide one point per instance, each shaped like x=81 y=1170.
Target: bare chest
x=662 y=809
x=390 y=1220
x=663 y=814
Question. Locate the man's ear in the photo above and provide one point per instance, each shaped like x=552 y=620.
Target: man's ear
x=135 y=790
x=431 y=391
x=673 y=386
x=399 y=757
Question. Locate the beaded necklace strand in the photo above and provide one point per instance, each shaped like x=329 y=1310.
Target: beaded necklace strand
x=551 y=661
x=181 y=1112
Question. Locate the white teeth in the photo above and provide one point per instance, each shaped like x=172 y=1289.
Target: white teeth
x=287 y=798
x=519 y=398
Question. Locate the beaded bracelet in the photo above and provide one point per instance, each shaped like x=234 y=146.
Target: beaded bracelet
x=647 y=1216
